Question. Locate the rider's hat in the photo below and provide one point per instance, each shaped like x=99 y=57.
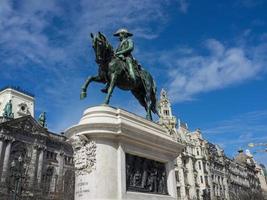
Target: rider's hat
x=122 y=30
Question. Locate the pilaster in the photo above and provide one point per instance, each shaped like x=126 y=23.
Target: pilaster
x=9 y=141
x=32 y=166
x=191 y=178
x=40 y=164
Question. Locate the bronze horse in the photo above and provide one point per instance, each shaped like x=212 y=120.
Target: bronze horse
x=113 y=72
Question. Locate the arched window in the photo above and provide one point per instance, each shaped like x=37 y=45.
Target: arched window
x=47 y=179
x=68 y=185
x=16 y=174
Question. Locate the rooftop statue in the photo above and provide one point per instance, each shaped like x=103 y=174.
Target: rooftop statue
x=8 y=110
x=119 y=68
x=42 y=119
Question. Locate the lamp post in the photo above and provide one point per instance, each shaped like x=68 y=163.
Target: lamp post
x=251 y=145
x=256 y=144
x=17 y=174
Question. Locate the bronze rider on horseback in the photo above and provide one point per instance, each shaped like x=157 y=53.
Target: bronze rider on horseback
x=124 y=51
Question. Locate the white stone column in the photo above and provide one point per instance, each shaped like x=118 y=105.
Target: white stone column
x=183 y=185
x=40 y=166
x=6 y=159
x=191 y=178
x=32 y=166
x=227 y=196
x=181 y=177
x=211 y=184
x=1 y=148
x=1 y=144
x=53 y=182
x=60 y=171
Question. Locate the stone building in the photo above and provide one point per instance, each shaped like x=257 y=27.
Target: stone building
x=219 y=188
x=203 y=171
x=192 y=167
x=243 y=177
x=34 y=162
x=262 y=178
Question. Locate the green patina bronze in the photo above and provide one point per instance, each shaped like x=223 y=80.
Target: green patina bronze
x=8 y=110
x=120 y=69
x=42 y=119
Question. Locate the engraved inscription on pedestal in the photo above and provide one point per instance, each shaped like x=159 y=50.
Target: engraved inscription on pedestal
x=82 y=187
x=145 y=175
x=84 y=155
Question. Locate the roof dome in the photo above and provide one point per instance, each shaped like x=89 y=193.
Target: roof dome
x=241 y=158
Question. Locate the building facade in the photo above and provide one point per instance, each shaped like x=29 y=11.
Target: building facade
x=204 y=172
x=34 y=162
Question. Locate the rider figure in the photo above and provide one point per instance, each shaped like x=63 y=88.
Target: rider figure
x=123 y=52
x=125 y=49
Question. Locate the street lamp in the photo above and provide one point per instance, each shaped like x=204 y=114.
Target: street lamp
x=251 y=145
x=256 y=144
x=17 y=174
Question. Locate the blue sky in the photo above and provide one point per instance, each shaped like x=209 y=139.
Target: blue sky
x=211 y=56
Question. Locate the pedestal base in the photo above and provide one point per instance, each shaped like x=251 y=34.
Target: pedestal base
x=101 y=141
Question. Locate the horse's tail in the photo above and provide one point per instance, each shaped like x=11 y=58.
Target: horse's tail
x=151 y=88
x=154 y=104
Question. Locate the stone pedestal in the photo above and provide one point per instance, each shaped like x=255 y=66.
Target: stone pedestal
x=102 y=141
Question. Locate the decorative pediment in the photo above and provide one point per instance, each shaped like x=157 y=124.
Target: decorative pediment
x=26 y=123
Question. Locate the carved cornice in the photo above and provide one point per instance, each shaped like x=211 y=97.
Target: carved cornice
x=108 y=122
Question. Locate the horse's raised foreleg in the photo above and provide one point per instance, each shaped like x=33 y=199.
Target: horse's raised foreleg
x=111 y=87
x=86 y=84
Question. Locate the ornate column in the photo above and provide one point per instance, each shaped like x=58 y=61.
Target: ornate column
x=60 y=171
x=40 y=164
x=181 y=176
x=226 y=187
x=1 y=148
x=32 y=165
x=191 y=178
x=6 y=158
x=53 y=182
x=210 y=181
x=1 y=144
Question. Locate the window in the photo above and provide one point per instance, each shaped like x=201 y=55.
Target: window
x=198 y=153
x=166 y=112
x=177 y=176
x=201 y=179
x=178 y=191
x=199 y=165
x=51 y=155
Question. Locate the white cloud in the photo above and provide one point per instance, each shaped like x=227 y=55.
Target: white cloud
x=53 y=37
x=245 y=123
x=249 y=3
x=238 y=131
x=223 y=66
x=245 y=128
x=47 y=45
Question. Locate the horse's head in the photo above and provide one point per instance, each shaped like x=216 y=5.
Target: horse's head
x=103 y=50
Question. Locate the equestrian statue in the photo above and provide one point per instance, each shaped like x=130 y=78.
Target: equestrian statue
x=119 y=68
